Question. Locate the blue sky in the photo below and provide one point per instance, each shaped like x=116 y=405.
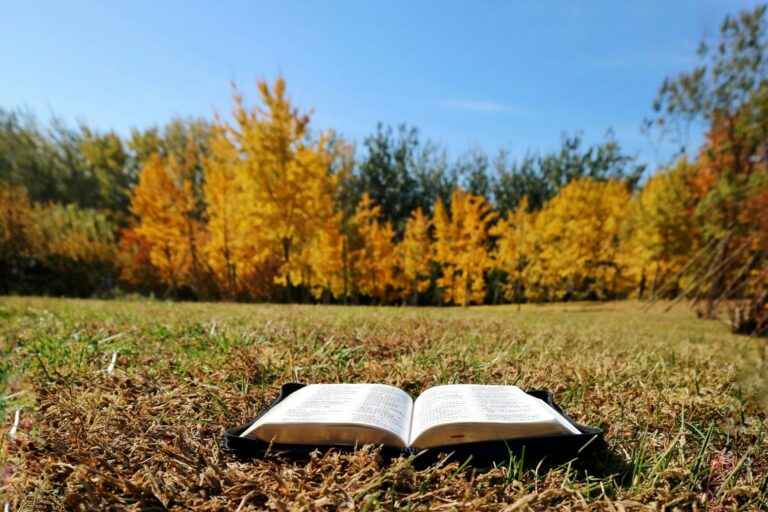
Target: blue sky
x=488 y=74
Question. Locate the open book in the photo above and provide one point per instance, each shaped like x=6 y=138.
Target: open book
x=349 y=414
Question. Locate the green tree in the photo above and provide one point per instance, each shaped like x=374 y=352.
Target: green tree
x=540 y=177
x=386 y=173
x=105 y=160
x=471 y=170
x=44 y=161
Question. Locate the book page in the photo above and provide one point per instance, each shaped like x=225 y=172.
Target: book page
x=368 y=405
x=481 y=405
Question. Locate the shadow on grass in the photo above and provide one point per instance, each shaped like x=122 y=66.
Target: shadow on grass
x=604 y=463
x=599 y=462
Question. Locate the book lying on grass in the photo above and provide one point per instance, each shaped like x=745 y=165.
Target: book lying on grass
x=356 y=414
x=451 y=420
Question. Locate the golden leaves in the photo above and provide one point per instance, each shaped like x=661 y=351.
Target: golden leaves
x=462 y=247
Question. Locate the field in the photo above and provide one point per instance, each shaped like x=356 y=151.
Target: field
x=681 y=399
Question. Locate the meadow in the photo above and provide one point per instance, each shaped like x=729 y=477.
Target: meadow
x=681 y=399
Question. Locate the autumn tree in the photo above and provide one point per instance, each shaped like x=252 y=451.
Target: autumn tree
x=324 y=264
x=15 y=245
x=514 y=249
x=165 y=202
x=728 y=91
x=374 y=257
x=577 y=241
x=137 y=273
x=64 y=250
x=234 y=251
x=663 y=234
x=415 y=256
x=280 y=177
x=77 y=248
x=461 y=247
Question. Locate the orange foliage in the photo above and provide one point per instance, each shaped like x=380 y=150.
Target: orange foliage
x=165 y=204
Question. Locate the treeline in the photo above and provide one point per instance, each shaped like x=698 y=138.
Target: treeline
x=262 y=208
x=259 y=205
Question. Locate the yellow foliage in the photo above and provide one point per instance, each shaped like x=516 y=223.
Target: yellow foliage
x=323 y=262
x=79 y=237
x=461 y=247
x=73 y=248
x=235 y=250
x=415 y=255
x=53 y=233
x=165 y=203
x=514 y=248
x=375 y=260
x=272 y=192
x=577 y=242
x=663 y=233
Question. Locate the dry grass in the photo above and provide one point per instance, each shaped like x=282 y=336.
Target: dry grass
x=679 y=398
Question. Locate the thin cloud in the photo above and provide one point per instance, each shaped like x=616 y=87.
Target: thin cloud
x=486 y=107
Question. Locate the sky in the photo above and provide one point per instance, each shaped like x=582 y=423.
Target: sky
x=486 y=74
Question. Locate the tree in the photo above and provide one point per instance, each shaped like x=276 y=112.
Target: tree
x=170 y=139
x=76 y=248
x=137 y=273
x=577 y=242
x=106 y=163
x=286 y=180
x=415 y=257
x=375 y=258
x=46 y=162
x=16 y=248
x=435 y=178
x=64 y=250
x=728 y=91
x=386 y=173
x=235 y=249
x=664 y=234
x=514 y=249
x=471 y=170
x=165 y=202
x=324 y=269
x=461 y=247
x=518 y=181
x=540 y=177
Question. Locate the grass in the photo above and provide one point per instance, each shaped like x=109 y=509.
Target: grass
x=681 y=399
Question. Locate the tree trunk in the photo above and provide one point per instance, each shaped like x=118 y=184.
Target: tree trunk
x=286 y=256
x=345 y=259
x=465 y=301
